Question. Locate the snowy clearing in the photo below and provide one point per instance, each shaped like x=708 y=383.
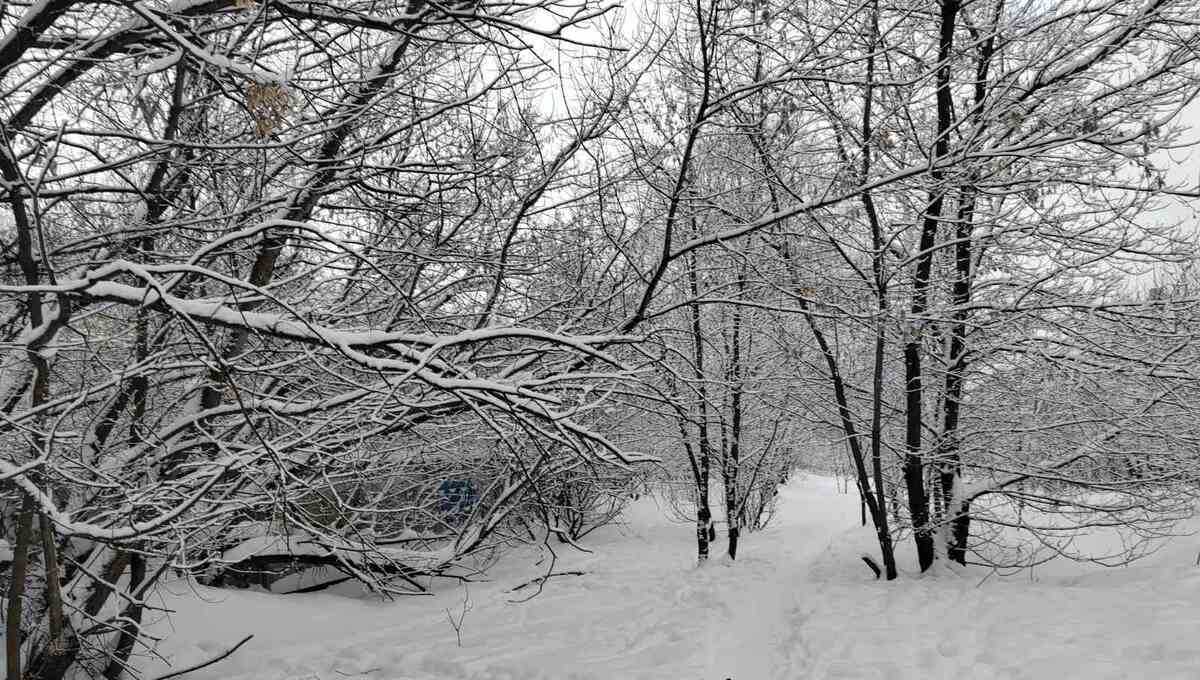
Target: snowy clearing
x=798 y=604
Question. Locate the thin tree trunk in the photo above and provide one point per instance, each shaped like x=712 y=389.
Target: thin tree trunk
x=956 y=511
x=132 y=621
x=16 y=588
x=27 y=225
x=876 y=510
x=54 y=600
x=703 y=511
x=881 y=293
x=852 y=438
x=132 y=616
x=733 y=455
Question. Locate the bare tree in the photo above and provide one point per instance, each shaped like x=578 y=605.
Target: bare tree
x=1028 y=134
x=1013 y=215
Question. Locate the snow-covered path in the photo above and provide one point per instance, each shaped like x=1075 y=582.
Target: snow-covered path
x=797 y=604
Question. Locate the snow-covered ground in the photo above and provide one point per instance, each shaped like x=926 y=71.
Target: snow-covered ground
x=797 y=604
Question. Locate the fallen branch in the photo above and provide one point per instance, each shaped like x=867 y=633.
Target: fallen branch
x=874 y=567
x=279 y=564
x=208 y=663
x=319 y=586
x=542 y=579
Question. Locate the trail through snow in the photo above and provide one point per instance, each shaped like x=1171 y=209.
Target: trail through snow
x=798 y=603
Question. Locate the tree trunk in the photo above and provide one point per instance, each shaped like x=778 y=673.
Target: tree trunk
x=918 y=499
x=28 y=228
x=61 y=643
x=881 y=301
x=132 y=617
x=875 y=508
x=703 y=512
x=957 y=511
x=16 y=588
x=733 y=454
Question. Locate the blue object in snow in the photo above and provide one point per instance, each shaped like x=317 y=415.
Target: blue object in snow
x=456 y=499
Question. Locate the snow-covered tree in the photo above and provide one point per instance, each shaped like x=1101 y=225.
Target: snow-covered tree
x=268 y=284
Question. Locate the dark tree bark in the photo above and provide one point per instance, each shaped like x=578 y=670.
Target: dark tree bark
x=881 y=292
x=914 y=464
x=733 y=454
x=26 y=222
x=132 y=617
x=958 y=509
x=704 y=444
x=16 y=589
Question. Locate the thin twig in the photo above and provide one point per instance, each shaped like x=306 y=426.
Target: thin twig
x=208 y=663
x=542 y=579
